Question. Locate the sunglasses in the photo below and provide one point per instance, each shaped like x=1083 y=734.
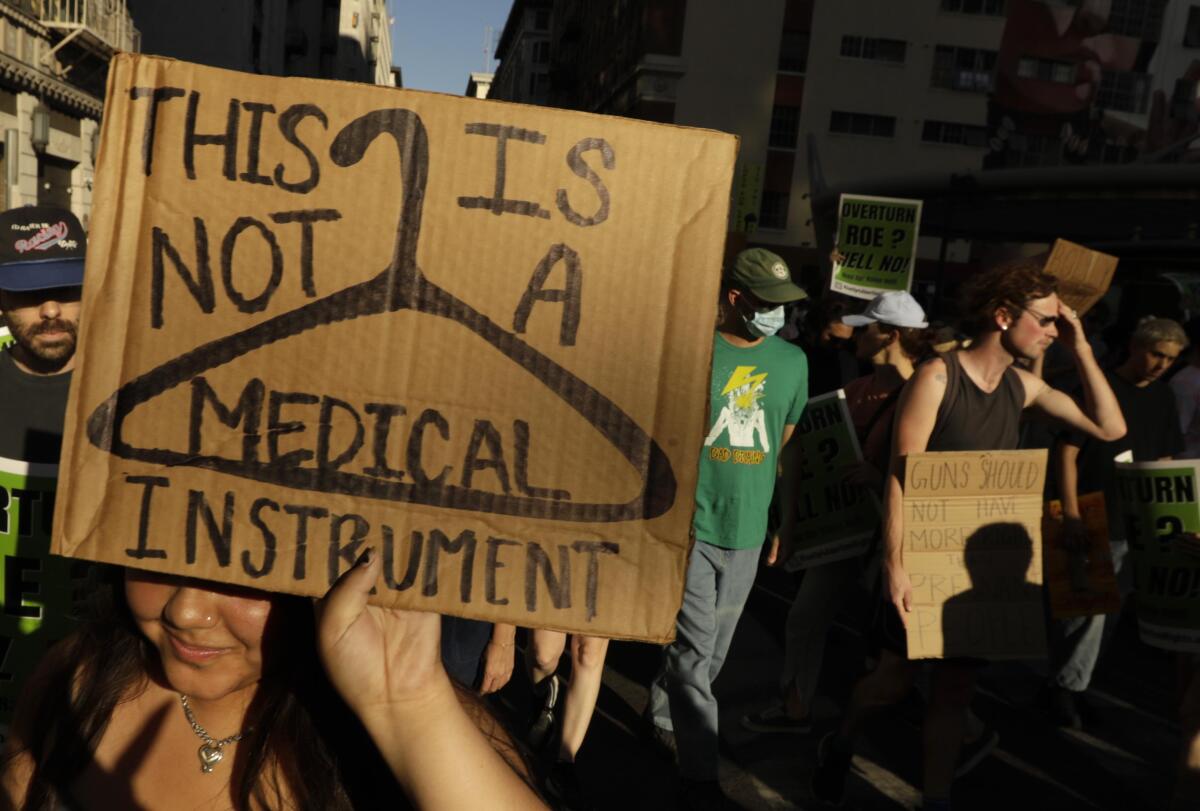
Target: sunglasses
x=1043 y=321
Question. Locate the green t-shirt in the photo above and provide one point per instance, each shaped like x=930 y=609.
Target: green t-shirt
x=755 y=392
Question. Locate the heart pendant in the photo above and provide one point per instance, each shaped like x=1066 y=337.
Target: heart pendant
x=209 y=756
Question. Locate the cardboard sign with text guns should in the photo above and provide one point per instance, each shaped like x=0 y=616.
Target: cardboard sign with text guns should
x=972 y=550
x=322 y=316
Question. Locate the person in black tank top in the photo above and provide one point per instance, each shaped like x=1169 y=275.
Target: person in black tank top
x=969 y=400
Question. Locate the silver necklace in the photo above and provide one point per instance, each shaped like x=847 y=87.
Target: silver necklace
x=210 y=751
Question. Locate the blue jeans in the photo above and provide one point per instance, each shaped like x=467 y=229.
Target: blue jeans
x=681 y=698
x=1076 y=643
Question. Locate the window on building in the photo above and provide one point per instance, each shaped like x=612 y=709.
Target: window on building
x=994 y=8
x=970 y=69
x=541 y=19
x=785 y=127
x=883 y=50
x=1046 y=70
x=948 y=132
x=541 y=52
x=773 y=211
x=1124 y=90
x=793 y=51
x=539 y=83
x=879 y=126
x=1141 y=19
x=1191 y=31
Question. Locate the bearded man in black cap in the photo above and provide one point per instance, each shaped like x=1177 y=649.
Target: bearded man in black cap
x=41 y=272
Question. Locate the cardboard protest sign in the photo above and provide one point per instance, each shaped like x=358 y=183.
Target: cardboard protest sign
x=1080 y=584
x=877 y=237
x=36 y=589
x=1083 y=275
x=1158 y=502
x=835 y=519
x=323 y=316
x=972 y=549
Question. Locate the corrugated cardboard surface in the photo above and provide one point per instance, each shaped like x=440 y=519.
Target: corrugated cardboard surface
x=1083 y=275
x=333 y=334
x=972 y=549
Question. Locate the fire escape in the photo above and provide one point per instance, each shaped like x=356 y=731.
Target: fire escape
x=89 y=33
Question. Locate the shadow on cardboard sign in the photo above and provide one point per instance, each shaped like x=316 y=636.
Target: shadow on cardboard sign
x=1001 y=615
x=401 y=286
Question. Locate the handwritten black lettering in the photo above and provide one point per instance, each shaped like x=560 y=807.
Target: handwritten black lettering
x=247 y=413
x=302 y=513
x=571 y=295
x=143 y=550
x=200 y=285
x=497 y=203
x=580 y=167
x=289 y=123
x=226 y=140
x=157 y=96
x=268 y=538
x=220 y=537
x=254 y=142
x=383 y=414
x=306 y=220
x=389 y=556
x=494 y=565
x=400 y=286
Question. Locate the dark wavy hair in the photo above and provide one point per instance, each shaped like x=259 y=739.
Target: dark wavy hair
x=1010 y=286
x=303 y=743
x=916 y=342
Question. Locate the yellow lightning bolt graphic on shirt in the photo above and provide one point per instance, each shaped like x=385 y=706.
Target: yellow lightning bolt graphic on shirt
x=741 y=377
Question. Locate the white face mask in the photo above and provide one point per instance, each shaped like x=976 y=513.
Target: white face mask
x=764 y=325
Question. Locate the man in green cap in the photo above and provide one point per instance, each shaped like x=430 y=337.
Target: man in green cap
x=759 y=387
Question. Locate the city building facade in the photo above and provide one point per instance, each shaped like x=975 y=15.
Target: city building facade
x=53 y=65
x=479 y=85
x=330 y=39
x=524 y=54
x=830 y=95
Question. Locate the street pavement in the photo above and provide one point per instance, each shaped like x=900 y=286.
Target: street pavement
x=1124 y=759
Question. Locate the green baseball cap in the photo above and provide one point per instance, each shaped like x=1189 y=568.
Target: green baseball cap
x=765 y=275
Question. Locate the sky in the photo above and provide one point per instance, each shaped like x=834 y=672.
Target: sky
x=437 y=43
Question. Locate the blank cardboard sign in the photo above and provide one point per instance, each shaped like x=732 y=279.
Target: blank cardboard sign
x=1083 y=275
x=973 y=552
x=322 y=316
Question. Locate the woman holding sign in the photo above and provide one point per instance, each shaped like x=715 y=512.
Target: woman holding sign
x=969 y=400
x=893 y=335
x=190 y=694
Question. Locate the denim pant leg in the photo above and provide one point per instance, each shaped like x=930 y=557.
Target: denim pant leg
x=1077 y=641
x=699 y=596
x=718 y=582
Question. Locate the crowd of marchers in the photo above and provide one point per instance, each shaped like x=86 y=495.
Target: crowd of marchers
x=174 y=692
